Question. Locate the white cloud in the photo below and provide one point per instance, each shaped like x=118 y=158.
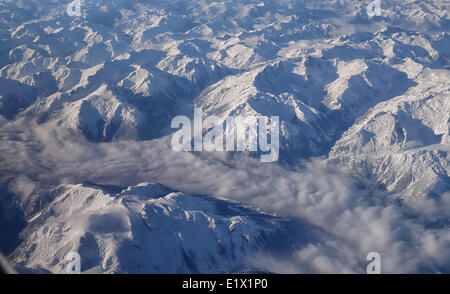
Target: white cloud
x=353 y=221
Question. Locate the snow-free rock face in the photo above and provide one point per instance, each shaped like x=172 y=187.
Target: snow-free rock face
x=147 y=229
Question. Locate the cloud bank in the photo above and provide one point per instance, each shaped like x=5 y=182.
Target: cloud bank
x=354 y=217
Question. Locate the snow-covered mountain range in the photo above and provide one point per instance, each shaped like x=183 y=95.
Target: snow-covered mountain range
x=148 y=228
x=86 y=104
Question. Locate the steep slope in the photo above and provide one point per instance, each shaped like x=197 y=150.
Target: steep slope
x=148 y=229
x=316 y=96
x=404 y=143
x=91 y=96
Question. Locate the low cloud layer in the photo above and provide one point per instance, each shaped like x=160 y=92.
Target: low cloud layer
x=353 y=215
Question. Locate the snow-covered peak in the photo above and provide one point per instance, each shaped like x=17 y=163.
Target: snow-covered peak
x=146 y=229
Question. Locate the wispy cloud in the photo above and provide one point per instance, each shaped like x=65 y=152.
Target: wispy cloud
x=353 y=215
